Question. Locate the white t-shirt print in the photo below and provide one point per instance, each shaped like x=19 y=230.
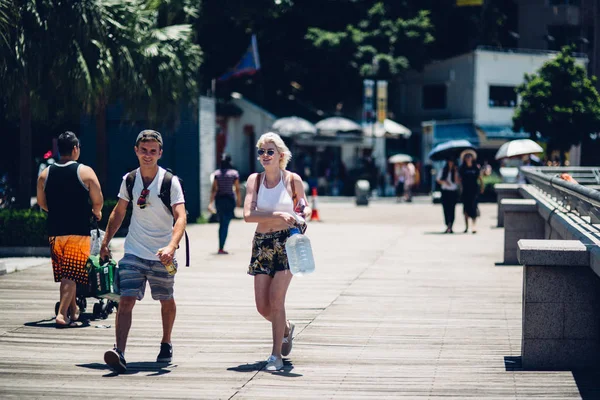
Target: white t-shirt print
x=151 y=228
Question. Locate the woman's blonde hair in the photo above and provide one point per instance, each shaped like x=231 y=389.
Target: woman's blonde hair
x=272 y=137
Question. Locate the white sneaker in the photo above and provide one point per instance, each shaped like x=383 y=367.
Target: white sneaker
x=286 y=346
x=274 y=363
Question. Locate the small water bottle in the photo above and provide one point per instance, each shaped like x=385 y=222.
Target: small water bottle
x=299 y=253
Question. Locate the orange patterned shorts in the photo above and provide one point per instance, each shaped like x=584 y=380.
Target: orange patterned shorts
x=69 y=256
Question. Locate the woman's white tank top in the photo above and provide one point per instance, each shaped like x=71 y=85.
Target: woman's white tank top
x=274 y=199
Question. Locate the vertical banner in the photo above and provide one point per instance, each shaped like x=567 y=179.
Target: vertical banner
x=381 y=101
x=368 y=111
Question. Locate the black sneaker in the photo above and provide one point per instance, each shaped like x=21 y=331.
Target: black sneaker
x=166 y=353
x=115 y=360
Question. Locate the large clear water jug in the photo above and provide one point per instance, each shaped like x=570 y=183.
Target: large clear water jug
x=299 y=253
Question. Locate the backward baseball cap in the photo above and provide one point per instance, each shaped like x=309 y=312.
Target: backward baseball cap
x=149 y=135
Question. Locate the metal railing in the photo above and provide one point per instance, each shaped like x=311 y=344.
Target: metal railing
x=581 y=198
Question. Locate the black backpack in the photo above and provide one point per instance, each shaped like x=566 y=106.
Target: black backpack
x=165 y=196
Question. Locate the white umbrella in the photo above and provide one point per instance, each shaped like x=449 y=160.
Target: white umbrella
x=400 y=158
x=290 y=126
x=388 y=128
x=337 y=124
x=519 y=147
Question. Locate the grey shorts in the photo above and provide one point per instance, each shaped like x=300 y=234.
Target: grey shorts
x=135 y=271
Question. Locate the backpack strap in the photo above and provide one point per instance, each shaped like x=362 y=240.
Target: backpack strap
x=294 y=196
x=165 y=190
x=129 y=182
x=165 y=196
x=258 y=181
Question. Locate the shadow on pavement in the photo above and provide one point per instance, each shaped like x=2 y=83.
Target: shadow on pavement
x=588 y=381
x=132 y=368
x=503 y=264
x=50 y=323
x=513 y=363
x=288 y=366
x=257 y=366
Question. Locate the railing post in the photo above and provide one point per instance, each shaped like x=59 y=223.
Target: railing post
x=561 y=306
x=521 y=221
x=505 y=191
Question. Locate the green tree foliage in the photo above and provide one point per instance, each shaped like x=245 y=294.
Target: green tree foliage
x=560 y=102
x=60 y=58
x=317 y=51
x=382 y=44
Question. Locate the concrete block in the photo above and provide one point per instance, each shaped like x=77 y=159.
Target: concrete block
x=559 y=354
x=505 y=191
x=518 y=205
x=595 y=259
x=581 y=321
x=2 y=268
x=544 y=284
x=524 y=222
x=510 y=257
x=515 y=236
x=582 y=285
x=511 y=240
x=543 y=320
x=553 y=252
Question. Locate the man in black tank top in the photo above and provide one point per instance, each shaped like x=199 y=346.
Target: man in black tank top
x=64 y=190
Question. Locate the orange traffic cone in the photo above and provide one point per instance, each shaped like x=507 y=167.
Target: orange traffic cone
x=315 y=206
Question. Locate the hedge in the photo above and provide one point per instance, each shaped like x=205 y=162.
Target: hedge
x=29 y=227
x=23 y=228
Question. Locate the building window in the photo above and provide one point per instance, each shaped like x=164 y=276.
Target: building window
x=502 y=96
x=434 y=97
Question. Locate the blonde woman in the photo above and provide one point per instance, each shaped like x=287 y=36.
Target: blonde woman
x=274 y=200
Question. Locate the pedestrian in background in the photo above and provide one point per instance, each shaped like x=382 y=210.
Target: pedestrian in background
x=64 y=190
x=448 y=180
x=408 y=170
x=471 y=186
x=273 y=198
x=222 y=199
x=154 y=235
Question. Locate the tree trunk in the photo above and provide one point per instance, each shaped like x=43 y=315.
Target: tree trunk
x=101 y=147
x=25 y=159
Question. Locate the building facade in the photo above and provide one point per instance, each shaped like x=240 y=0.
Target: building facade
x=471 y=96
x=551 y=24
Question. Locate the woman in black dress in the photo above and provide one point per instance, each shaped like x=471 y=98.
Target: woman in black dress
x=448 y=180
x=472 y=185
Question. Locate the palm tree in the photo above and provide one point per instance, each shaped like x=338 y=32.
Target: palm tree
x=43 y=64
x=151 y=68
x=25 y=53
x=92 y=52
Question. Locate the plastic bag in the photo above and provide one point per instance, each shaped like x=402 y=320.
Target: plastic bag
x=96 y=241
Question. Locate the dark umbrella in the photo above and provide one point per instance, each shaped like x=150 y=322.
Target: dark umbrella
x=449 y=149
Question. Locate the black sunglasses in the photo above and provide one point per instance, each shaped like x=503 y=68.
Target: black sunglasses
x=269 y=152
x=142 y=200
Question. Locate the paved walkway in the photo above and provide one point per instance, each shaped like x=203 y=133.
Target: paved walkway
x=395 y=310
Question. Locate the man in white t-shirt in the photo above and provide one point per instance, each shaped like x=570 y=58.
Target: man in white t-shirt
x=149 y=246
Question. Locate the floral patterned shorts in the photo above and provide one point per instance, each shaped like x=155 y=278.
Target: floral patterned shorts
x=268 y=252
x=69 y=256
